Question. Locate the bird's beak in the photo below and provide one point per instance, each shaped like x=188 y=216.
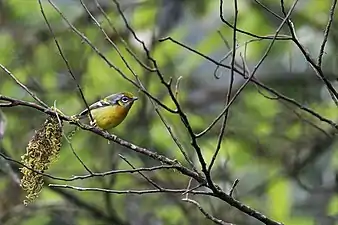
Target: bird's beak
x=135 y=98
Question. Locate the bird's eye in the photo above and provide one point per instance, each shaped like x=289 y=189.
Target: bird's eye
x=124 y=99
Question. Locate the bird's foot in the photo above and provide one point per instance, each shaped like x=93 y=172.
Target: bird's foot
x=93 y=123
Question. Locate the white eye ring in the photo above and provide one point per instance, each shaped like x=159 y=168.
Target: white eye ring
x=124 y=99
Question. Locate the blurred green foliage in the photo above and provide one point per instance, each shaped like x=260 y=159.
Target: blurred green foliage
x=272 y=146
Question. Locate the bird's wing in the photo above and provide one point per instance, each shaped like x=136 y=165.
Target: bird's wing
x=101 y=103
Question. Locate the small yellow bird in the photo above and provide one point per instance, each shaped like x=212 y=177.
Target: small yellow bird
x=110 y=111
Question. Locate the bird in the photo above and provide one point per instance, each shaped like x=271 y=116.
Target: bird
x=110 y=111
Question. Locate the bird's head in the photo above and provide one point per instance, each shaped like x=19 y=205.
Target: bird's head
x=122 y=99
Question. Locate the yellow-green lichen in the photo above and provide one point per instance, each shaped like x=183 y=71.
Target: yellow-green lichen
x=42 y=150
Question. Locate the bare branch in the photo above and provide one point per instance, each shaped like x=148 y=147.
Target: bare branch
x=23 y=86
x=202 y=181
x=269 y=10
x=76 y=155
x=112 y=172
x=234 y=185
x=205 y=213
x=122 y=40
x=70 y=144
x=252 y=73
x=258 y=83
x=16 y=102
x=231 y=83
x=138 y=192
x=326 y=33
x=139 y=172
x=179 y=110
x=269 y=37
x=104 y=58
x=151 y=98
x=316 y=68
x=65 y=60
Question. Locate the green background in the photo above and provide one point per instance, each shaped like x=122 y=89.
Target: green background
x=285 y=159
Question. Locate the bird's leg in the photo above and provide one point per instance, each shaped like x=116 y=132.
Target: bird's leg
x=93 y=123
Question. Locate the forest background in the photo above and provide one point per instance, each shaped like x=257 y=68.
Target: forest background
x=235 y=122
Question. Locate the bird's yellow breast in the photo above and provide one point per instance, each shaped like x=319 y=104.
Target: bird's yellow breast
x=109 y=116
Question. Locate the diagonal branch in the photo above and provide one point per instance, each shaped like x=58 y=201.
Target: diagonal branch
x=318 y=70
x=136 y=192
x=104 y=58
x=258 y=83
x=252 y=73
x=11 y=102
x=139 y=172
x=177 y=142
x=326 y=33
x=183 y=170
x=64 y=59
x=228 y=98
x=205 y=213
x=94 y=211
x=172 y=95
x=270 y=37
x=23 y=86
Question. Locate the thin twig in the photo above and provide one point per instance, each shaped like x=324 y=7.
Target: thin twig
x=299 y=116
x=32 y=169
x=138 y=192
x=76 y=155
x=152 y=154
x=112 y=172
x=11 y=102
x=257 y=82
x=23 y=86
x=69 y=143
x=105 y=59
x=251 y=75
x=192 y=189
x=205 y=213
x=175 y=139
x=139 y=172
x=229 y=53
x=269 y=37
x=178 y=110
x=234 y=185
x=92 y=175
x=188 y=187
x=326 y=33
x=313 y=64
x=65 y=60
x=269 y=10
x=177 y=86
x=151 y=98
x=231 y=83
x=179 y=145
x=122 y=40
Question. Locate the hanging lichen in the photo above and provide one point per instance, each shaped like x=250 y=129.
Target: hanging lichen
x=42 y=150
